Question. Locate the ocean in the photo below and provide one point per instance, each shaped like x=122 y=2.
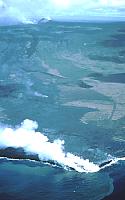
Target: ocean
x=62 y=111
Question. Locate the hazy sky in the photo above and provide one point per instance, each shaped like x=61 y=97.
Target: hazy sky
x=33 y=9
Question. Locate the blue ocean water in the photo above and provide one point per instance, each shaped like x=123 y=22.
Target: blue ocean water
x=70 y=79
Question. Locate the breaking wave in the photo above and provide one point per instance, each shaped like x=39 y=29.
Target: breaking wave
x=24 y=142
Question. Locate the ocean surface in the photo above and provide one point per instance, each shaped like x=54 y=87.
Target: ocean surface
x=62 y=111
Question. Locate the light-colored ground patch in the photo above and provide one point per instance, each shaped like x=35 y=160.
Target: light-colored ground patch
x=116 y=91
x=104 y=110
x=82 y=60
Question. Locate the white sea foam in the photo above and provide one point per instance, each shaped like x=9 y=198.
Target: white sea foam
x=35 y=142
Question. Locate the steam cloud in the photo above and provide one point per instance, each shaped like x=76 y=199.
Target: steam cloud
x=34 y=142
x=25 y=142
x=30 y=11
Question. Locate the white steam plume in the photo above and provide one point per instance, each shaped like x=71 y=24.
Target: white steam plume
x=34 y=142
x=30 y=11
